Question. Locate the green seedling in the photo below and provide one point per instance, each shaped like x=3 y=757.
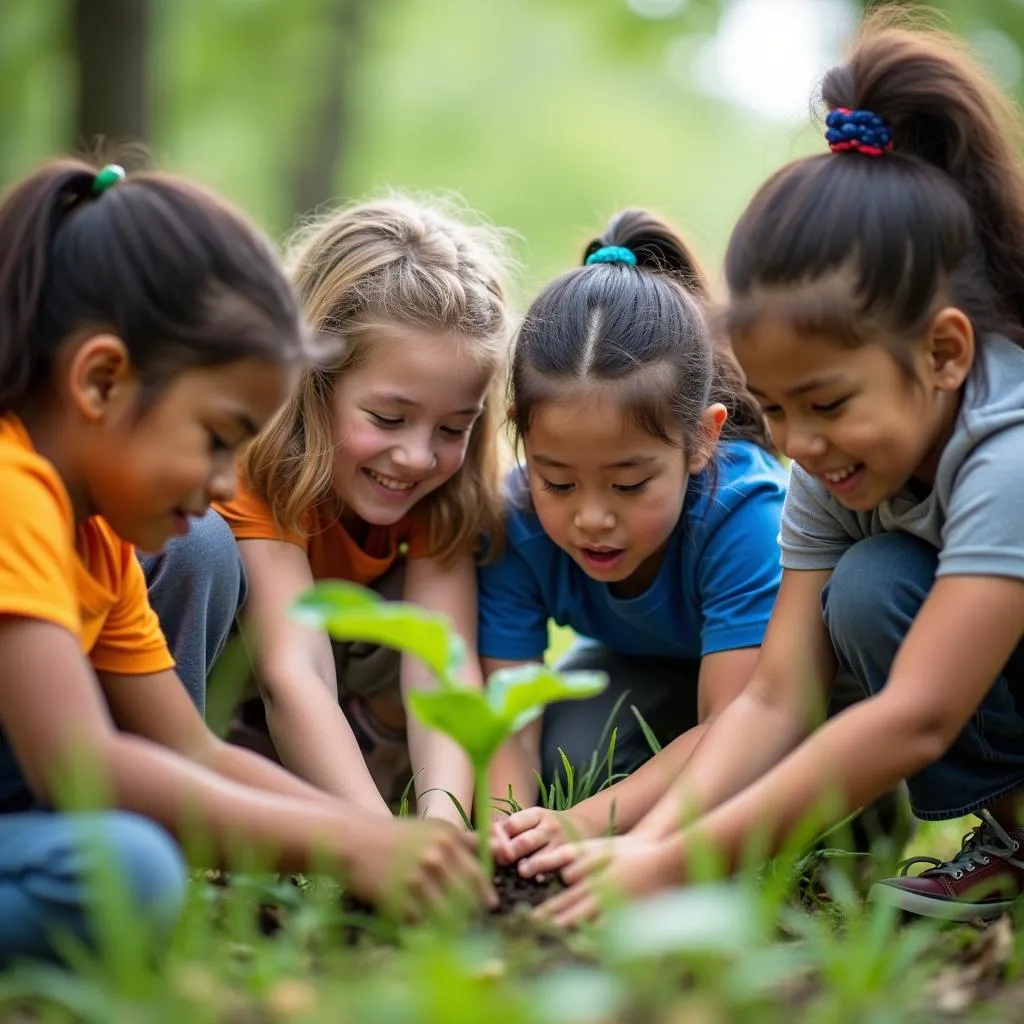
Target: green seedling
x=480 y=722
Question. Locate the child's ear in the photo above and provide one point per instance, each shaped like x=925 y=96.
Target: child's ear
x=950 y=349
x=101 y=379
x=709 y=429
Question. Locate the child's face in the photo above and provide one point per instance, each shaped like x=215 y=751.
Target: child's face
x=402 y=422
x=149 y=475
x=852 y=417
x=607 y=493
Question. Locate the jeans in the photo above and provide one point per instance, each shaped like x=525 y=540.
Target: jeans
x=196 y=586
x=44 y=870
x=869 y=603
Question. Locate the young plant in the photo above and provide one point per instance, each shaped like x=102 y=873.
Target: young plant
x=480 y=722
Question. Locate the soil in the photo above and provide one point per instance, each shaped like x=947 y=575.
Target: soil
x=516 y=897
x=515 y=891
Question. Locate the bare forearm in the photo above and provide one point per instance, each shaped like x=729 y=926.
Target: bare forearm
x=742 y=744
x=513 y=768
x=626 y=803
x=192 y=802
x=850 y=761
x=251 y=769
x=439 y=768
x=314 y=740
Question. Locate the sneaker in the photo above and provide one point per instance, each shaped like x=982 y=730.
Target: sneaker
x=981 y=881
x=385 y=750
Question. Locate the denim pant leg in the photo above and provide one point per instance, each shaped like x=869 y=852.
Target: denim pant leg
x=196 y=587
x=45 y=870
x=869 y=604
x=664 y=691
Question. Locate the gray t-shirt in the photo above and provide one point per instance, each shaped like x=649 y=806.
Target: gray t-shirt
x=974 y=514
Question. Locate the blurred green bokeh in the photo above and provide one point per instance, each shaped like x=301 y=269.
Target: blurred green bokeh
x=545 y=115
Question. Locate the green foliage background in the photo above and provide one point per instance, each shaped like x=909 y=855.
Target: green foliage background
x=546 y=115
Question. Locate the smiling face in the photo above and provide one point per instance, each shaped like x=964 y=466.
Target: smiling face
x=149 y=470
x=607 y=493
x=854 y=418
x=403 y=418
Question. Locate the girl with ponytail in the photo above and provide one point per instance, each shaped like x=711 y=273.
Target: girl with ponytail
x=646 y=519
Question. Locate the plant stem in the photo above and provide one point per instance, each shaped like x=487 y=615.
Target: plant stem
x=482 y=818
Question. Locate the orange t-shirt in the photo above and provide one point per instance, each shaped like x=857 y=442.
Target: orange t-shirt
x=83 y=578
x=333 y=553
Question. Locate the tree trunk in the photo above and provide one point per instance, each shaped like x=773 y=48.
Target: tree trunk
x=111 y=39
x=326 y=128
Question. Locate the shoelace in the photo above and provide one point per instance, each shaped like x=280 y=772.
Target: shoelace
x=977 y=848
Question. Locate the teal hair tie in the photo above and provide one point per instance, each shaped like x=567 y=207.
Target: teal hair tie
x=109 y=175
x=612 y=254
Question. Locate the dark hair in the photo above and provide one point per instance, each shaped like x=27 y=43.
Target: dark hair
x=643 y=328
x=179 y=276
x=860 y=247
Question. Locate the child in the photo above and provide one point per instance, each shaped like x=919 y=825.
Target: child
x=876 y=305
x=146 y=332
x=394 y=447
x=649 y=523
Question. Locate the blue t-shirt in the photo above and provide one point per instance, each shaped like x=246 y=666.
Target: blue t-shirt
x=714 y=590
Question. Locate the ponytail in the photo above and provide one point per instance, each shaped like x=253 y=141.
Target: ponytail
x=927 y=208
x=29 y=216
x=178 y=275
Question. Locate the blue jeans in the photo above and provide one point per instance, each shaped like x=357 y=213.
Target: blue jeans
x=44 y=859
x=869 y=603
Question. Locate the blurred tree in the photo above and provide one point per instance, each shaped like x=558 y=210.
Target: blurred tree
x=325 y=129
x=111 y=43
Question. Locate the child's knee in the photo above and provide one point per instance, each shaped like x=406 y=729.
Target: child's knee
x=151 y=865
x=879 y=582
x=209 y=557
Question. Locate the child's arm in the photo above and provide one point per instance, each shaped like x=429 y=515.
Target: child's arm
x=784 y=699
x=518 y=759
x=736 y=579
x=959 y=643
x=438 y=763
x=296 y=678
x=157 y=707
x=52 y=711
x=536 y=833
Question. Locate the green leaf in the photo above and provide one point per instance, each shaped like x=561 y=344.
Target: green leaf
x=464 y=716
x=520 y=693
x=715 y=919
x=350 y=612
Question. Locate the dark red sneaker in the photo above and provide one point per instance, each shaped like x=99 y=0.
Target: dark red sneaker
x=982 y=880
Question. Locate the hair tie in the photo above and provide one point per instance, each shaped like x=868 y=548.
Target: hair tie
x=612 y=254
x=860 y=131
x=105 y=178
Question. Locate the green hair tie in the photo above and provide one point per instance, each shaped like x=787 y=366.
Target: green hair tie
x=109 y=175
x=612 y=254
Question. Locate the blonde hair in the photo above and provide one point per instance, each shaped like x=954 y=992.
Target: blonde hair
x=390 y=262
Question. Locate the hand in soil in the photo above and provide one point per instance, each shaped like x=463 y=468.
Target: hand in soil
x=624 y=866
x=416 y=868
x=536 y=838
x=515 y=891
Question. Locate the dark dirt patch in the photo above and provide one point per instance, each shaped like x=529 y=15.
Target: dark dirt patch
x=517 y=897
x=515 y=891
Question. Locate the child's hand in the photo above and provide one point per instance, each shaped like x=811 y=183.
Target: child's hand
x=537 y=838
x=417 y=868
x=626 y=867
